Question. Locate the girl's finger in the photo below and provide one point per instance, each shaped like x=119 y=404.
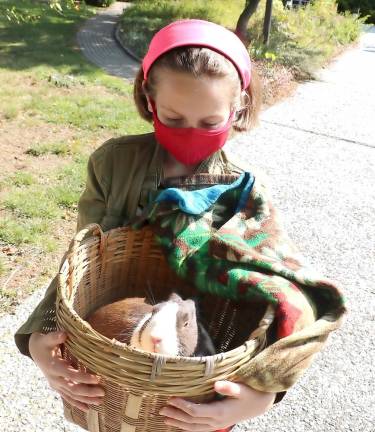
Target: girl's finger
x=211 y=410
x=75 y=389
x=73 y=402
x=78 y=398
x=64 y=369
x=84 y=389
x=191 y=427
x=177 y=414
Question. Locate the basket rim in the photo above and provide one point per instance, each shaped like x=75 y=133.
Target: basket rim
x=107 y=343
x=110 y=343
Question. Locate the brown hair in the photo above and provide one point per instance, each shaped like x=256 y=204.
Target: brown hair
x=200 y=61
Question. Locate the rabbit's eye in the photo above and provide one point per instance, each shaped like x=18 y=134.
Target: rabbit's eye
x=186 y=324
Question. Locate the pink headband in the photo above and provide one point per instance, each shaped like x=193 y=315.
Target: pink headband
x=200 y=33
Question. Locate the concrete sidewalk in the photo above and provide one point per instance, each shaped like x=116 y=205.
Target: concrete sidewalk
x=317 y=148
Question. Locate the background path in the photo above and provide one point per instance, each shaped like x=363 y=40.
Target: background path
x=317 y=148
x=97 y=42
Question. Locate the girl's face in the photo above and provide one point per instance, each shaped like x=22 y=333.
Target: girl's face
x=185 y=101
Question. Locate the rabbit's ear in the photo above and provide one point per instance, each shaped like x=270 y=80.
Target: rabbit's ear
x=197 y=299
x=175 y=297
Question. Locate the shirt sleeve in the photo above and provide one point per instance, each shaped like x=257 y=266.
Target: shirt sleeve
x=279 y=397
x=91 y=208
x=92 y=203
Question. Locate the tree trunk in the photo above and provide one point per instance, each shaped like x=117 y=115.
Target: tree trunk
x=267 y=22
x=243 y=20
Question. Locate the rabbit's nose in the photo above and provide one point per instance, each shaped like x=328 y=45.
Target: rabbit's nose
x=156 y=339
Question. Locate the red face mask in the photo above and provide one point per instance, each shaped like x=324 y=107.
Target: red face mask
x=190 y=145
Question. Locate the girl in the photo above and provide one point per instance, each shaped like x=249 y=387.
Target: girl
x=195 y=85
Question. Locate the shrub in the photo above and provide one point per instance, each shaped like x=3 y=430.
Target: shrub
x=304 y=38
x=365 y=8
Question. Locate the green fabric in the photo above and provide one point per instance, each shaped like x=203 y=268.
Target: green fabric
x=247 y=255
x=241 y=254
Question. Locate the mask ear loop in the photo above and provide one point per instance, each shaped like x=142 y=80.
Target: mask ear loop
x=154 y=111
x=246 y=105
x=147 y=95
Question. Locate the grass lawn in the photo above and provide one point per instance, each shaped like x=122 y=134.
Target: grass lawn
x=55 y=109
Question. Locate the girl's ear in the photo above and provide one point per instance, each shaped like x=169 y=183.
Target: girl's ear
x=149 y=106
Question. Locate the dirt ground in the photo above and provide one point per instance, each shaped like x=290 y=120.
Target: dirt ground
x=28 y=267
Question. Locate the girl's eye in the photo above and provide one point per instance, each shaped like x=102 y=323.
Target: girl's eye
x=204 y=125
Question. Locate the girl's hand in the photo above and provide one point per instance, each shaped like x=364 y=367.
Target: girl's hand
x=77 y=388
x=243 y=403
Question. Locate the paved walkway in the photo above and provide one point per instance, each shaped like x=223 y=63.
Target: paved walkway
x=317 y=147
x=97 y=42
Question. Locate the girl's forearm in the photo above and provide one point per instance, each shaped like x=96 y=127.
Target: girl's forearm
x=263 y=401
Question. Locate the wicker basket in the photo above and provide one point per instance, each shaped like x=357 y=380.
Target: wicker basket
x=119 y=263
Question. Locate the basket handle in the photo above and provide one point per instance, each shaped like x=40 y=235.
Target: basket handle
x=95 y=230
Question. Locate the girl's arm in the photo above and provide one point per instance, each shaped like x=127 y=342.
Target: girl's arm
x=91 y=208
x=115 y=174
x=37 y=337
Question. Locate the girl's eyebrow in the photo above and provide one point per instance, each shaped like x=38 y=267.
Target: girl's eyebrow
x=206 y=118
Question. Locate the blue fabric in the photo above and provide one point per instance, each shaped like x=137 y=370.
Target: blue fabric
x=197 y=201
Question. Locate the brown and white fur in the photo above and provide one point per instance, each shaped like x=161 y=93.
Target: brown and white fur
x=170 y=327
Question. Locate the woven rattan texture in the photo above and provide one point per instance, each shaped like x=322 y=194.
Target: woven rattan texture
x=123 y=263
